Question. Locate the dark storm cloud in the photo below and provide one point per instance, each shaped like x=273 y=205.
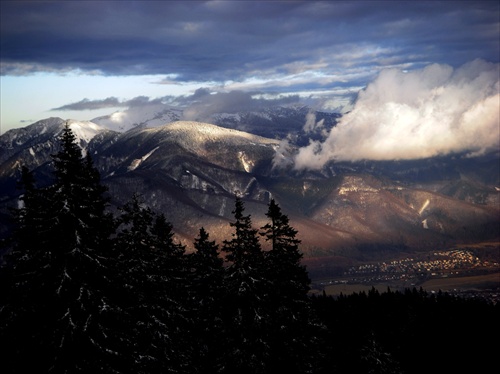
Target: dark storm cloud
x=231 y=40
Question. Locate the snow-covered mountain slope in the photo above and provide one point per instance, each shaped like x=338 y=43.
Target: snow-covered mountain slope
x=162 y=147
x=192 y=171
x=198 y=137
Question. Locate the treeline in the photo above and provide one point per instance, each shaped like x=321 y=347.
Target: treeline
x=85 y=291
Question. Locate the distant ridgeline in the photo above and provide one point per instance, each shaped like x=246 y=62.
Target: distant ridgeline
x=85 y=290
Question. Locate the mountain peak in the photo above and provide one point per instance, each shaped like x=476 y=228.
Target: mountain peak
x=35 y=143
x=50 y=128
x=84 y=130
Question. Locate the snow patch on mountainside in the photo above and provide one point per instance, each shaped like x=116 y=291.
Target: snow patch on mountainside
x=426 y=204
x=135 y=164
x=193 y=182
x=250 y=184
x=246 y=162
x=222 y=208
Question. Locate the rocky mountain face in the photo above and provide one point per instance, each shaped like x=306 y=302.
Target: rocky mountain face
x=192 y=171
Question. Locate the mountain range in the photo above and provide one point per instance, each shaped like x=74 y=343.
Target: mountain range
x=192 y=171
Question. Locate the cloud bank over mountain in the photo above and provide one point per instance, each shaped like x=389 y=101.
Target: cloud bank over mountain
x=437 y=110
x=199 y=106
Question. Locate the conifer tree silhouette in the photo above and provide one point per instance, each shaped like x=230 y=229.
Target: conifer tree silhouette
x=292 y=327
x=153 y=272
x=246 y=296
x=59 y=270
x=207 y=291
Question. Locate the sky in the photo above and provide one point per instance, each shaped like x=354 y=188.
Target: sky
x=84 y=59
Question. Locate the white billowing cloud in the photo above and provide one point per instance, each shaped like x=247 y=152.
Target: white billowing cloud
x=311 y=125
x=434 y=111
x=282 y=156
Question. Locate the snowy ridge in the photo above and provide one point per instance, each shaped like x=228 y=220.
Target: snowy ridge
x=49 y=128
x=200 y=131
x=85 y=130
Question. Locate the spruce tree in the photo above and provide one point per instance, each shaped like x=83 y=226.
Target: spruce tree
x=153 y=272
x=243 y=251
x=206 y=292
x=289 y=276
x=246 y=314
x=56 y=311
x=292 y=327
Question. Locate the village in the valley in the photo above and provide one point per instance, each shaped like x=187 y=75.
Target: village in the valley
x=457 y=271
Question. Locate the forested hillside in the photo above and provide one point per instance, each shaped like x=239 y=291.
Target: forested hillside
x=85 y=290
